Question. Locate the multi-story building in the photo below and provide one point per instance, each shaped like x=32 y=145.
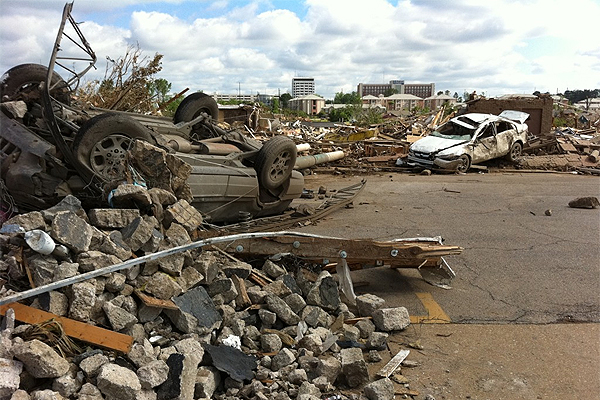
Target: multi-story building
x=302 y=86
x=310 y=104
x=421 y=90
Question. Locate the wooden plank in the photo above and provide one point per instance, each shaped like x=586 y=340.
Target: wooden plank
x=75 y=329
x=154 y=302
x=242 y=300
x=391 y=366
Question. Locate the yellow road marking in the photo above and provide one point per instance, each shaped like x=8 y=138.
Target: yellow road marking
x=435 y=314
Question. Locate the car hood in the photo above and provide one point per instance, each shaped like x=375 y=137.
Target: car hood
x=434 y=144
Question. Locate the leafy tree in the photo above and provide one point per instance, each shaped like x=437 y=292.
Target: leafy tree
x=370 y=116
x=575 y=96
x=347 y=98
x=440 y=93
x=127 y=84
x=447 y=93
x=159 y=89
x=275 y=105
x=285 y=100
x=389 y=92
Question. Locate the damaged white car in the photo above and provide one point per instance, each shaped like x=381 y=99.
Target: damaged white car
x=470 y=139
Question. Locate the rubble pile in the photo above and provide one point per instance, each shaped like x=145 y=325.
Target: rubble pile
x=204 y=324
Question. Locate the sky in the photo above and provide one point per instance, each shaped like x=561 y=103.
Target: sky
x=493 y=47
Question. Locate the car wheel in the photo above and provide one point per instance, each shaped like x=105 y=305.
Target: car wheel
x=275 y=162
x=515 y=152
x=464 y=163
x=22 y=82
x=102 y=142
x=191 y=107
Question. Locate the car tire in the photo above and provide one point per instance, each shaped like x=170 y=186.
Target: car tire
x=22 y=81
x=464 y=164
x=515 y=152
x=102 y=142
x=275 y=162
x=191 y=107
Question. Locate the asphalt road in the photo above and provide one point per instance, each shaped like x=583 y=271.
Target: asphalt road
x=518 y=265
x=521 y=319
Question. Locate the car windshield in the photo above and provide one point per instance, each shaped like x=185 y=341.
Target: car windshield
x=456 y=130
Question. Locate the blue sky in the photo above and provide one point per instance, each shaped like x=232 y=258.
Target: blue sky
x=495 y=47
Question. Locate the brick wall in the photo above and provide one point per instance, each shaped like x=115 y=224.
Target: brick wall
x=540 y=111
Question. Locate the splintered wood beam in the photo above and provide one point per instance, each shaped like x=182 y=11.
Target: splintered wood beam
x=391 y=366
x=356 y=251
x=75 y=329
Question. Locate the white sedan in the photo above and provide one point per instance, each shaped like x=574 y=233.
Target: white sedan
x=470 y=139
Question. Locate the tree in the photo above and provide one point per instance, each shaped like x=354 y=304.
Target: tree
x=275 y=105
x=447 y=93
x=127 y=84
x=440 y=93
x=389 y=92
x=347 y=98
x=159 y=89
x=285 y=100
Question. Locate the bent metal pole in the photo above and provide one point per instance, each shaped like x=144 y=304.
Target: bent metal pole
x=149 y=257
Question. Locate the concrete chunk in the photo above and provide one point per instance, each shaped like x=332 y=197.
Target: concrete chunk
x=118 y=382
x=112 y=218
x=72 y=231
x=368 y=303
x=354 y=367
x=40 y=360
x=391 y=319
x=383 y=389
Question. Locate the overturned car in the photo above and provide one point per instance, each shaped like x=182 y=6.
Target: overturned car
x=50 y=148
x=470 y=139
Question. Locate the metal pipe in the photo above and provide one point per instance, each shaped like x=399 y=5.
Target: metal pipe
x=308 y=161
x=136 y=261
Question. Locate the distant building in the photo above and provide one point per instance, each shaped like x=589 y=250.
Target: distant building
x=303 y=86
x=310 y=104
x=438 y=100
x=403 y=101
x=244 y=98
x=421 y=90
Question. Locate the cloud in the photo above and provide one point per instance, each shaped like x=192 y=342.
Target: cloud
x=497 y=47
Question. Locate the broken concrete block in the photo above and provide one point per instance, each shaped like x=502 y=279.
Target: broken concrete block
x=119 y=318
x=311 y=342
x=308 y=389
x=223 y=287
x=391 y=319
x=82 y=296
x=278 y=288
x=198 y=303
x=28 y=221
x=240 y=269
x=162 y=196
x=142 y=353
x=130 y=196
x=112 y=218
x=153 y=374
x=65 y=270
x=296 y=302
x=284 y=358
x=351 y=333
x=267 y=317
x=368 y=303
x=42 y=269
x=329 y=367
x=324 y=293
x=273 y=270
x=72 y=231
x=207 y=381
x=270 y=343
x=585 y=202
x=162 y=286
x=183 y=321
x=20 y=395
x=54 y=302
x=40 y=360
x=93 y=260
x=172 y=264
x=382 y=389
x=91 y=365
x=184 y=214
x=113 y=244
x=115 y=282
x=69 y=384
x=354 y=367
x=366 y=327
x=118 y=382
x=14 y=109
x=10 y=379
x=90 y=392
x=283 y=311
x=137 y=233
x=189 y=278
x=315 y=316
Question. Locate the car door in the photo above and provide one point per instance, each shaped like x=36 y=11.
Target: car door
x=505 y=136
x=485 y=144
